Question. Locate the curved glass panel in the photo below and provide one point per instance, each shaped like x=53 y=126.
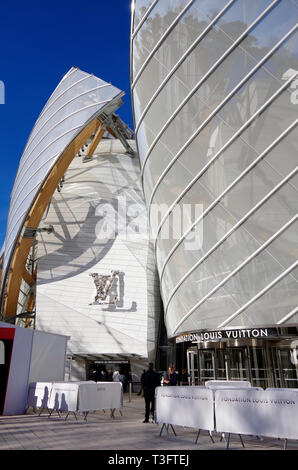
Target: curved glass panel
x=78 y=98
x=216 y=129
x=233 y=162
x=157 y=22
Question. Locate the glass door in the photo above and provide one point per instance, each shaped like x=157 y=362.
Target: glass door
x=286 y=371
x=259 y=367
x=222 y=365
x=206 y=365
x=192 y=366
x=238 y=364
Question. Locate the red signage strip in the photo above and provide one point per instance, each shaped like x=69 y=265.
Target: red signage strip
x=7 y=333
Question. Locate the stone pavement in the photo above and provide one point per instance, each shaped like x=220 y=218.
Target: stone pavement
x=126 y=432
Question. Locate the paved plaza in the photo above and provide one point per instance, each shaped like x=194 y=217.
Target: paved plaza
x=101 y=432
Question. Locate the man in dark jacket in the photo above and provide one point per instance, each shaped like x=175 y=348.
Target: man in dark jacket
x=150 y=380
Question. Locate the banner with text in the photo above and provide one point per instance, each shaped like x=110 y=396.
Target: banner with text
x=258 y=413
x=100 y=396
x=185 y=406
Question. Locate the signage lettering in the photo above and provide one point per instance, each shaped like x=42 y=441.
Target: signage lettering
x=226 y=334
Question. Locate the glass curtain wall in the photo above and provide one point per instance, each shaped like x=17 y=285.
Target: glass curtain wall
x=214 y=86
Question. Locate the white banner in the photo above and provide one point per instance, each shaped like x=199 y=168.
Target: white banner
x=281 y=389
x=215 y=384
x=64 y=396
x=39 y=394
x=100 y=396
x=185 y=406
x=259 y=413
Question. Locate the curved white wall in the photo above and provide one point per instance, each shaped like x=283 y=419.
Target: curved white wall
x=93 y=194
x=215 y=100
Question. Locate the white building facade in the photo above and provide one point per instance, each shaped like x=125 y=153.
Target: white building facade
x=214 y=87
x=92 y=222
x=77 y=259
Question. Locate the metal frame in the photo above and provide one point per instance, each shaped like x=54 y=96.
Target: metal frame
x=198 y=434
x=239 y=223
x=161 y=40
x=242 y=265
x=131 y=74
x=45 y=109
x=61 y=107
x=215 y=157
x=220 y=106
x=260 y=294
x=181 y=60
x=18 y=243
x=53 y=127
x=167 y=426
x=11 y=279
x=261 y=156
x=288 y=316
x=204 y=78
x=40 y=183
x=142 y=21
x=48 y=104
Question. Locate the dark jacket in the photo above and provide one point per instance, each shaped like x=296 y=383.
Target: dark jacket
x=150 y=380
x=173 y=379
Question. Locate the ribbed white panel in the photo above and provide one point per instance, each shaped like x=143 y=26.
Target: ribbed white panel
x=77 y=99
x=216 y=123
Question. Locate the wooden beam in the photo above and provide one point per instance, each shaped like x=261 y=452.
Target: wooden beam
x=110 y=130
x=97 y=138
x=31 y=303
x=28 y=278
x=21 y=253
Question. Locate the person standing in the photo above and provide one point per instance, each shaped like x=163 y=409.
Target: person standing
x=150 y=380
x=183 y=378
x=171 y=377
x=109 y=376
x=116 y=376
x=123 y=381
x=141 y=388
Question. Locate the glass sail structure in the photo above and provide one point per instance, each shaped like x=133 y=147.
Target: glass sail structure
x=68 y=119
x=214 y=90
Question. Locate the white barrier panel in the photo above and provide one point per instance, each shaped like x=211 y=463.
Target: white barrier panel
x=234 y=387
x=281 y=389
x=64 y=396
x=39 y=394
x=100 y=396
x=227 y=383
x=259 y=413
x=185 y=406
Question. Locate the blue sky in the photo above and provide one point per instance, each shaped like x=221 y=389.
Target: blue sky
x=39 y=42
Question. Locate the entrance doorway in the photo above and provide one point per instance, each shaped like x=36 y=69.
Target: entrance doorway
x=285 y=368
x=263 y=366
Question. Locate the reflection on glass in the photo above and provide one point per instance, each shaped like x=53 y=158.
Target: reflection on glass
x=238 y=364
x=259 y=368
x=206 y=363
x=288 y=371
